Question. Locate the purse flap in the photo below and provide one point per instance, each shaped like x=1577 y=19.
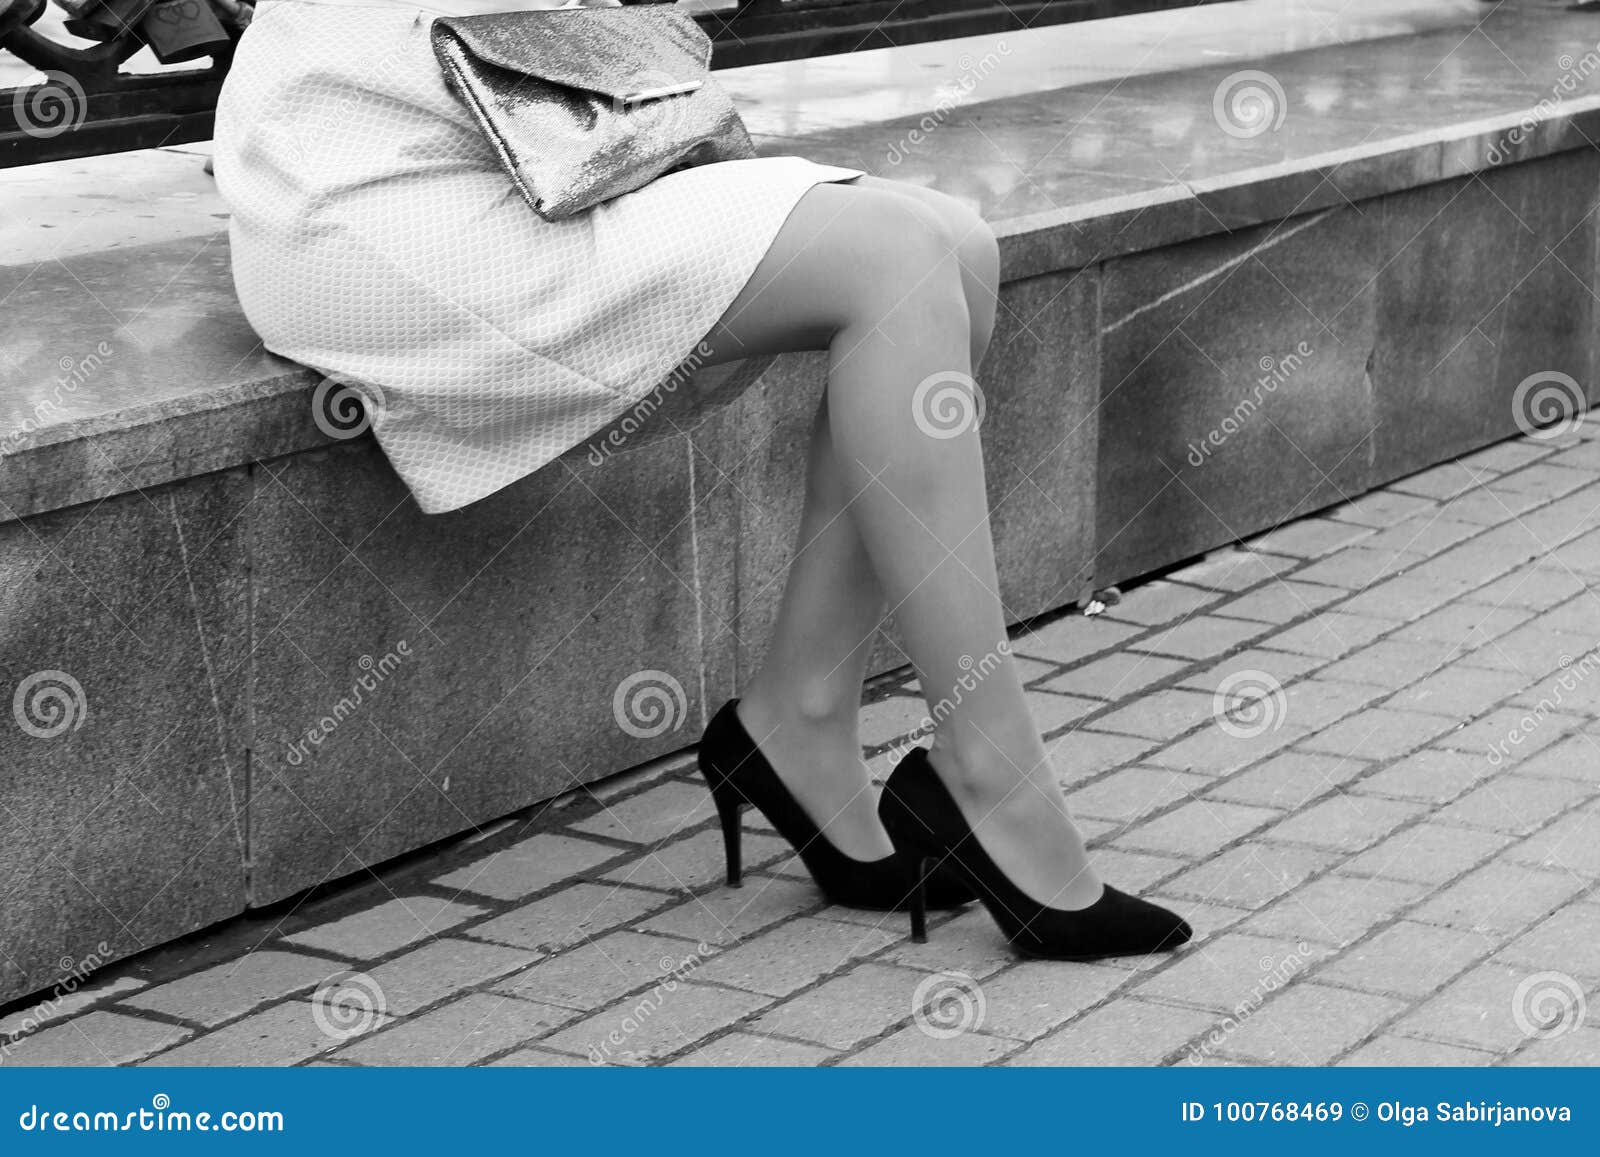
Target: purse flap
x=616 y=52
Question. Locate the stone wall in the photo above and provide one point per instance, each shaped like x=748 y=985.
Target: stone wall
x=282 y=674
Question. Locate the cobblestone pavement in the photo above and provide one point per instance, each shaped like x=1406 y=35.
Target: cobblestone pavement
x=1358 y=752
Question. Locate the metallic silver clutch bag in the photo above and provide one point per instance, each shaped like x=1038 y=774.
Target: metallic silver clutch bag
x=585 y=104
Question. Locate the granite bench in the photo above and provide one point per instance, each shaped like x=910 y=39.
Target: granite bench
x=270 y=671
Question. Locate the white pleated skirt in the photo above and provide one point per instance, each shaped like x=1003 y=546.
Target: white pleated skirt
x=376 y=239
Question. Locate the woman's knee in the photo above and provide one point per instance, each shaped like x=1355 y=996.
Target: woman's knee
x=972 y=236
x=850 y=257
x=977 y=251
x=963 y=226
x=907 y=267
x=980 y=257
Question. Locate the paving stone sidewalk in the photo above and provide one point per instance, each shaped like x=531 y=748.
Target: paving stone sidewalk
x=1359 y=752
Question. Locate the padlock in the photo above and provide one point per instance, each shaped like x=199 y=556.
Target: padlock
x=178 y=30
x=104 y=20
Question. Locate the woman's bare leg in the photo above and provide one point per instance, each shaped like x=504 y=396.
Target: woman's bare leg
x=975 y=251
x=863 y=273
x=803 y=704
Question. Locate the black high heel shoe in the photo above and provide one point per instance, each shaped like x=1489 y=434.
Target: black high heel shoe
x=923 y=818
x=740 y=776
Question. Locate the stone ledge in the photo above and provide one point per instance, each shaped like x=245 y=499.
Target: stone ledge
x=221 y=401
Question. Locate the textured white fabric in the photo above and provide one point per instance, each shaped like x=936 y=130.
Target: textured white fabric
x=376 y=239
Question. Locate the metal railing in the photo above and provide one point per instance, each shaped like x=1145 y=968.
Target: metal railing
x=86 y=103
x=761 y=31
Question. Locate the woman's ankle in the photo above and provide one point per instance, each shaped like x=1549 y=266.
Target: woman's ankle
x=820 y=714
x=986 y=763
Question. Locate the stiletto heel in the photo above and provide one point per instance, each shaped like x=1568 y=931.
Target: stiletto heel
x=740 y=776
x=919 y=901
x=730 y=809
x=923 y=819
